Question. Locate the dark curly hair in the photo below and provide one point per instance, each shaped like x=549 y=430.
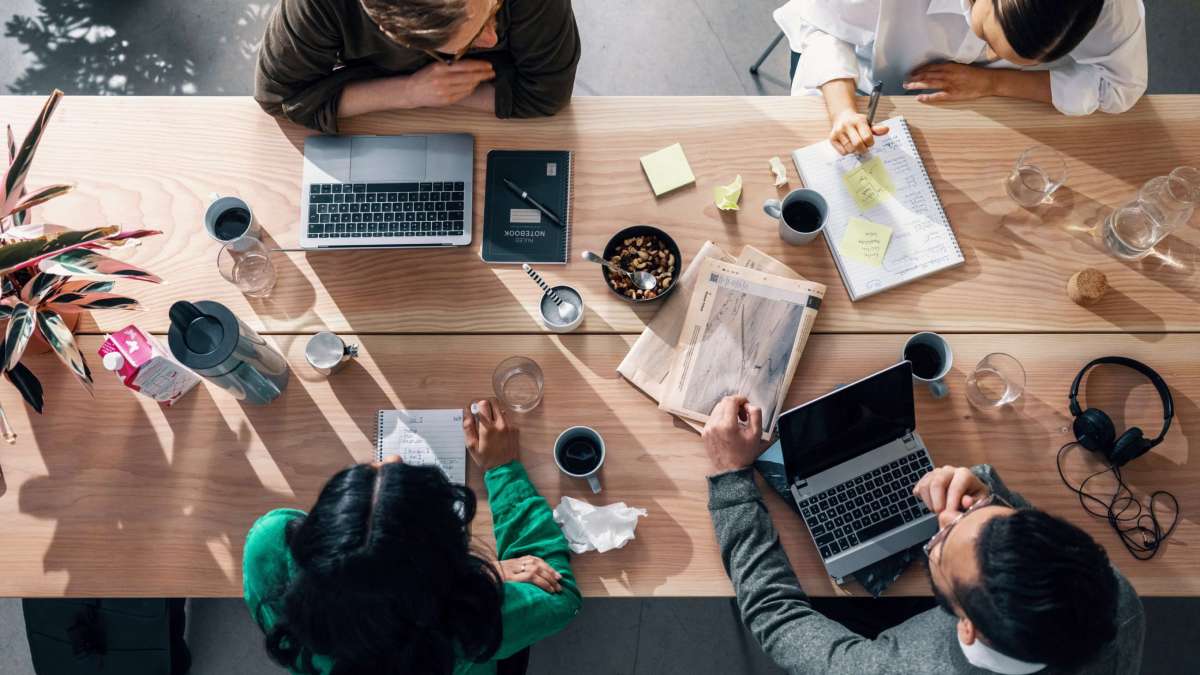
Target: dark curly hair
x=385 y=581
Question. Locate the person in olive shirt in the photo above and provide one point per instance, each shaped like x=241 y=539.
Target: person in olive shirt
x=380 y=576
x=321 y=60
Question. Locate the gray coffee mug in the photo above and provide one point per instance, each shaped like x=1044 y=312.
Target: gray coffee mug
x=217 y=206
x=793 y=235
x=592 y=476
x=937 y=383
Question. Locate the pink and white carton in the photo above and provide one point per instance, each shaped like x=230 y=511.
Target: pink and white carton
x=146 y=367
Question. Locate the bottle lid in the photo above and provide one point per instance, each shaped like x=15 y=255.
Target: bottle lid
x=113 y=361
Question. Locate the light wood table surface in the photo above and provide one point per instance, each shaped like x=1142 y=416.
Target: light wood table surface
x=113 y=496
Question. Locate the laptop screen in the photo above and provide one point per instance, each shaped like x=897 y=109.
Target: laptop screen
x=848 y=422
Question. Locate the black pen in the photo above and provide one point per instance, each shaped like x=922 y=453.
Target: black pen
x=874 y=104
x=531 y=201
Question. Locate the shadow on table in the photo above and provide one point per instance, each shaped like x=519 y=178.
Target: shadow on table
x=133 y=47
x=636 y=568
x=1128 y=314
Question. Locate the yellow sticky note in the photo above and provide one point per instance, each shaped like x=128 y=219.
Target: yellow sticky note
x=865 y=241
x=667 y=169
x=869 y=183
x=726 y=196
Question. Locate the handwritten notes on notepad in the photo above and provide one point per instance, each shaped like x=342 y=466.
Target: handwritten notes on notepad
x=869 y=183
x=422 y=437
x=865 y=241
x=667 y=169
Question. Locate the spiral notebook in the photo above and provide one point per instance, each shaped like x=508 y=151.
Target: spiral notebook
x=515 y=231
x=423 y=437
x=886 y=225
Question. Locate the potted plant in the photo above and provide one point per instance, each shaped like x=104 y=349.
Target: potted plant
x=50 y=273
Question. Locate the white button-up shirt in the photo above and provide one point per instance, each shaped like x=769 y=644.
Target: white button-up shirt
x=869 y=40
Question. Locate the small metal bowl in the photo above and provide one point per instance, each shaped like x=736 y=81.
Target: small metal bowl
x=641 y=231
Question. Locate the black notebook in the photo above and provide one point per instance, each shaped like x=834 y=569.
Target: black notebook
x=515 y=231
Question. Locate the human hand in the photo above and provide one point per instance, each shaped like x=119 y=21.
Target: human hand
x=852 y=134
x=530 y=569
x=733 y=434
x=956 y=82
x=952 y=488
x=491 y=440
x=438 y=84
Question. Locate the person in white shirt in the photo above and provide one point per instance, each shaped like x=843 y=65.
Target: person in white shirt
x=1078 y=55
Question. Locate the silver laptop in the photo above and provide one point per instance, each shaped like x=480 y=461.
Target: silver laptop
x=852 y=458
x=387 y=191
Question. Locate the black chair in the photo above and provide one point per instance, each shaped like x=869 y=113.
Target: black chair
x=130 y=637
x=795 y=58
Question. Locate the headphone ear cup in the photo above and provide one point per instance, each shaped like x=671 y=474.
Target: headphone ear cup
x=1094 y=431
x=1131 y=445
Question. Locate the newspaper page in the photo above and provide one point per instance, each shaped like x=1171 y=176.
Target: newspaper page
x=648 y=362
x=743 y=334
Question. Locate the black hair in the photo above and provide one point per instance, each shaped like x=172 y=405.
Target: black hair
x=385 y=581
x=1046 y=30
x=1046 y=591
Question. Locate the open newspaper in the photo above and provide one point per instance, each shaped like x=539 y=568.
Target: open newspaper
x=743 y=334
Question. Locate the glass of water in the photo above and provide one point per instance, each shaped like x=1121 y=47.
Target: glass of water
x=1162 y=205
x=1039 y=171
x=518 y=383
x=998 y=380
x=246 y=263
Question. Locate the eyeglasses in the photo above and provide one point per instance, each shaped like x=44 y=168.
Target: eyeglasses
x=940 y=537
x=451 y=59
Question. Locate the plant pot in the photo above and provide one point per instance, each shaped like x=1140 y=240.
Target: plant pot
x=38 y=344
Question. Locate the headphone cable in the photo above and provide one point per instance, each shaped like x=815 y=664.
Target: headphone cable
x=1123 y=511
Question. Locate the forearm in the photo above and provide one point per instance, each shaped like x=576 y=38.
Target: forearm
x=367 y=96
x=1031 y=85
x=839 y=97
x=482 y=99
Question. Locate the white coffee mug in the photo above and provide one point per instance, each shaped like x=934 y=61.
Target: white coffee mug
x=218 y=205
x=941 y=350
x=795 y=235
x=560 y=446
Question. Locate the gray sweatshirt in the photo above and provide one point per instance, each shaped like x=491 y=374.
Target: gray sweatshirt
x=801 y=640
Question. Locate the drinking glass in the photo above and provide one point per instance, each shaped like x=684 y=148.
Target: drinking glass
x=1039 y=171
x=246 y=263
x=518 y=383
x=998 y=380
x=1162 y=205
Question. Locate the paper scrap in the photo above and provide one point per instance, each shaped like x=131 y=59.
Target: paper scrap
x=865 y=241
x=780 y=171
x=726 y=196
x=869 y=183
x=596 y=528
x=667 y=169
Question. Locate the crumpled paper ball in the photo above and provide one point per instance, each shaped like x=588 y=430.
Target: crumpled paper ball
x=596 y=528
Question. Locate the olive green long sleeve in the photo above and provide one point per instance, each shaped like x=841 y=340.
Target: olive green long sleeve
x=313 y=48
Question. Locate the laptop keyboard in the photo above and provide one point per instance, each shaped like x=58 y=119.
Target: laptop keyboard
x=867 y=506
x=379 y=210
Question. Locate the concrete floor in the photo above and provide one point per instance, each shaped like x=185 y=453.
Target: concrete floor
x=632 y=47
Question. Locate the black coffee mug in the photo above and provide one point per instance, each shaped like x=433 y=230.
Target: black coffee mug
x=579 y=453
x=801 y=215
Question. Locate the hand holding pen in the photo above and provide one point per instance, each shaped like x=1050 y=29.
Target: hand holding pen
x=852 y=131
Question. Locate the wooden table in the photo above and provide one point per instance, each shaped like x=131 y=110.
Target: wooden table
x=113 y=496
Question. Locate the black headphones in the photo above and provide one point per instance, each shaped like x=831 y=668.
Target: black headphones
x=1094 y=429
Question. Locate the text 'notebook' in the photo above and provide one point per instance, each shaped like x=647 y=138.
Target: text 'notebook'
x=889 y=186
x=515 y=231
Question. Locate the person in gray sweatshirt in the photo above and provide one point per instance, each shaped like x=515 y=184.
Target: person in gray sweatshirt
x=1020 y=591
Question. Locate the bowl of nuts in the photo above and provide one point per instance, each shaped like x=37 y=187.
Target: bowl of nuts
x=642 y=248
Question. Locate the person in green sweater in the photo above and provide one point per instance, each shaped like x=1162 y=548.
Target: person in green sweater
x=380 y=577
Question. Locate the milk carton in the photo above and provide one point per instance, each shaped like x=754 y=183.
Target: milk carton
x=146 y=367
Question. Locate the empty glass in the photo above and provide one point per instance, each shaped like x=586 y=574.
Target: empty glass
x=1039 y=171
x=518 y=383
x=1162 y=205
x=246 y=263
x=998 y=380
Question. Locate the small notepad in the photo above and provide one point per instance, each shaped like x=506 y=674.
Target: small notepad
x=667 y=169
x=422 y=437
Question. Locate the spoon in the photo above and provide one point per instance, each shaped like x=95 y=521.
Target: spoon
x=566 y=310
x=642 y=280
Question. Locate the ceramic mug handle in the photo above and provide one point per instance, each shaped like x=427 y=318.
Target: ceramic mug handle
x=773 y=208
x=939 y=389
x=594 y=481
x=212 y=197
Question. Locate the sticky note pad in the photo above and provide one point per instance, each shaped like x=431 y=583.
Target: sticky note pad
x=865 y=241
x=869 y=183
x=667 y=169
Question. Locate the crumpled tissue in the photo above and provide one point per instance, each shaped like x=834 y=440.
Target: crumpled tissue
x=596 y=528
